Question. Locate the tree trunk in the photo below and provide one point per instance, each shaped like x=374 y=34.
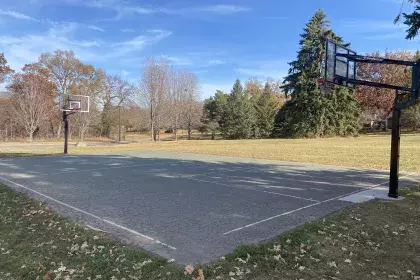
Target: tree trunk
x=59 y=130
x=176 y=129
x=212 y=136
x=52 y=129
x=151 y=121
x=82 y=135
x=31 y=136
x=189 y=131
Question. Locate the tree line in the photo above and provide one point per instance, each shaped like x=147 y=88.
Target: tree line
x=245 y=112
x=311 y=110
x=168 y=99
x=171 y=96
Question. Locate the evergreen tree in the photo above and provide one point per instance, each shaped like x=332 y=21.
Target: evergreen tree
x=312 y=49
x=313 y=112
x=342 y=114
x=266 y=107
x=212 y=112
x=238 y=116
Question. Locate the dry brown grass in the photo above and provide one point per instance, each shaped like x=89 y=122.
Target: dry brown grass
x=364 y=151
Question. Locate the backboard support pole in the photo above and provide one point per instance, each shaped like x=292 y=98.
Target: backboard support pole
x=71 y=104
x=395 y=149
x=338 y=72
x=66 y=132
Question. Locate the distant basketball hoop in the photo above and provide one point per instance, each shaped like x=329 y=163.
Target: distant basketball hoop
x=72 y=104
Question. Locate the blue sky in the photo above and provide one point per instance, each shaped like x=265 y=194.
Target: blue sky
x=217 y=40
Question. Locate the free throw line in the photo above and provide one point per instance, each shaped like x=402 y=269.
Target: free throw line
x=309 y=206
x=90 y=214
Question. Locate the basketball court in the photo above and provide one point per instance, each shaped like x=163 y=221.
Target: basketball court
x=187 y=207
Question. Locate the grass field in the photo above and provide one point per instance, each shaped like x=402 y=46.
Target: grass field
x=374 y=240
x=364 y=151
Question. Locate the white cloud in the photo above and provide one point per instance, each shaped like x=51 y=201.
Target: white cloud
x=263 y=69
x=123 y=8
x=26 y=49
x=369 y=25
x=141 y=10
x=140 y=42
x=375 y=29
x=384 y=36
x=180 y=61
x=126 y=30
x=17 y=15
x=216 y=62
x=224 y=9
x=96 y=28
x=20 y=50
x=125 y=73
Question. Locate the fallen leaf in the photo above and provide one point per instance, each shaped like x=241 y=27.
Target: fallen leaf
x=332 y=264
x=189 y=269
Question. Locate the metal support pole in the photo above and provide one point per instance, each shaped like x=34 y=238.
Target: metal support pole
x=66 y=132
x=119 y=123
x=395 y=150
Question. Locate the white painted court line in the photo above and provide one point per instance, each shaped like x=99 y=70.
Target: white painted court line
x=224 y=171
x=90 y=214
x=104 y=168
x=271 y=218
x=309 y=206
x=250 y=189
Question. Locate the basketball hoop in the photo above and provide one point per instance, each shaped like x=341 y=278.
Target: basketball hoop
x=340 y=68
x=74 y=103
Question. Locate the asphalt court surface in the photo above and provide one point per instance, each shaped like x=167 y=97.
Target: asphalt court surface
x=187 y=207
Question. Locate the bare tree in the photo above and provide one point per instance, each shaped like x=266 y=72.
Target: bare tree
x=62 y=68
x=32 y=99
x=5 y=69
x=117 y=92
x=178 y=93
x=191 y=107
x=92 y=85
x=154 y=91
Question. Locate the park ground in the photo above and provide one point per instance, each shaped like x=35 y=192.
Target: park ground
x=366 y=151
x=373 y=240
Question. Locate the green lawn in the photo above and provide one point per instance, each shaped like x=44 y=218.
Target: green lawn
x=367 y=151
x=374 y=240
